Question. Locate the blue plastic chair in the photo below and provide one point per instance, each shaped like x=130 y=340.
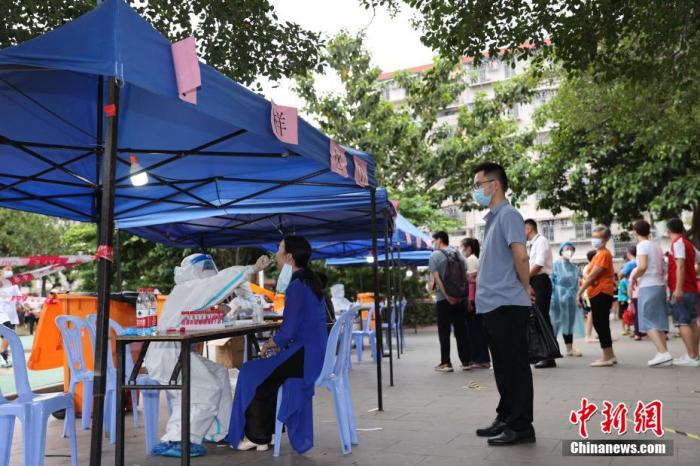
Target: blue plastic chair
x=151 y=398
x=359 y=336
x=335 y=377
x=72 y=329
x=396 y=329
x=33 y=411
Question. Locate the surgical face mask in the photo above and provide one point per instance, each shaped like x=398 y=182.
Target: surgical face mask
x=481 y=198
x=284 y=278
x=567 y=254
x=596 y=243
x=7 y=273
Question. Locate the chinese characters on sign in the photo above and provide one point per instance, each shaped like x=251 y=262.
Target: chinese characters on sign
x=284 y=123
x=360 y=171
x=339 y=162
x=187 y=73
x=647 y=417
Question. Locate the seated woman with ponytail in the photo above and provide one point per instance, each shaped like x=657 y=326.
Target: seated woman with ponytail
x=295 y=361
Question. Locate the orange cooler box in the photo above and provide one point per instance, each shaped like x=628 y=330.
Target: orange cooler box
x=47 y=350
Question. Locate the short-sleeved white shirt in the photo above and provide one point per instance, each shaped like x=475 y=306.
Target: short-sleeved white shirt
x=8 y=309
x=541 y=254
x=654 y=275
x=679 y=251
x=472 y=263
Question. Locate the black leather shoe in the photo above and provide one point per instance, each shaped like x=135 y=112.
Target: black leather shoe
x=512 y=437
x=494 y=429
x=546 y=363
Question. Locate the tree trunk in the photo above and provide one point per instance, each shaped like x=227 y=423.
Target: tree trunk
x=694 y=232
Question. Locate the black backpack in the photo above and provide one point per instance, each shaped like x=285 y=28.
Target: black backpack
x=455 y=278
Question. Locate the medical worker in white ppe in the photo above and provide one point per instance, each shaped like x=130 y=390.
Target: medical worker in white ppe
x=198 y=285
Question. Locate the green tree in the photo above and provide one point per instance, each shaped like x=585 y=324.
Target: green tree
x=652 y=39
x=421 y=161
x=25 y=234
x=620 y=148
x=139 y=263
x=243 y=39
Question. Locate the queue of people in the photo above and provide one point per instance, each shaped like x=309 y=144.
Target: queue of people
x=514 y=269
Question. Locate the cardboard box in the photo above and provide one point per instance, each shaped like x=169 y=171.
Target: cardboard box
x=229 y=351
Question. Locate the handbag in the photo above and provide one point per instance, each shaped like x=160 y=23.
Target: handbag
x=542 y=344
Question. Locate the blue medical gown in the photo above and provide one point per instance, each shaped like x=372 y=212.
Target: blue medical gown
x=564 y=313
x=304 y=326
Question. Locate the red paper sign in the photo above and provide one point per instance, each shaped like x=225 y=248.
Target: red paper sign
x=284 y=123
x=187 y=73
x=360 y=171
x=339 y=162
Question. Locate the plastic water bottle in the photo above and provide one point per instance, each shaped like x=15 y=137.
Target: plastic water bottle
x=142 y=312
x=152 y=311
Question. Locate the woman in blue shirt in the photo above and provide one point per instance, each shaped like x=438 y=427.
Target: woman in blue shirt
x=299 y=348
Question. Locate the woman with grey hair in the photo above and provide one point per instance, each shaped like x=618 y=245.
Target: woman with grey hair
x=600 y=287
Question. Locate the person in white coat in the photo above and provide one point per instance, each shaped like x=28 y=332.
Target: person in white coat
x=198 y=285
x=8 y=314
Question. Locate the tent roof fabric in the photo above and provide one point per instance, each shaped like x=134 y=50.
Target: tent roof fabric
x=410 y=258
x=339 y=248
x=264 y=223
x=203 y=157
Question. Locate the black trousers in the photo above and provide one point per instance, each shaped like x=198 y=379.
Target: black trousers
x=478 y=344
x=506 y=328
x=543 y=295
x=600 y=307
x=260 y=415
x=452 y=316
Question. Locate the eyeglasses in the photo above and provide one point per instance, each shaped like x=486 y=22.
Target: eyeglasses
x=478 y=184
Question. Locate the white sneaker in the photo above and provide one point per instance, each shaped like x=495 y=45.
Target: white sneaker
x=245 y=445
x=686 y=361
x=661 y=359
x=5 y=363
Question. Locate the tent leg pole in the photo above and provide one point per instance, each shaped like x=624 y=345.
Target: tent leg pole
x=104 y=277
x=399 y=316
x=395 y=283
x=379 y=351
x=389 y=296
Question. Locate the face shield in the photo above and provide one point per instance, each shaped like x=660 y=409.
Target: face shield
x=195 y=266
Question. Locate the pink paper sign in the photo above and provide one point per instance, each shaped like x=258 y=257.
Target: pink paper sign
x=284 y=123
x=187 y=73
x=339 y=162
x=361 y=178
x=408 y=239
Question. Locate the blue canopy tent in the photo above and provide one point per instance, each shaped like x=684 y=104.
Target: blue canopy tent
x=78 y=101
x=411 y=258
x=263 y=223
x=405 y=237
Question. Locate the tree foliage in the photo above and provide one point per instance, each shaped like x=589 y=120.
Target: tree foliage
x=620 y=148
x=423 y=161
x=653 y=39
x=25 y=234
x=139 y=263
x=243 y=39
